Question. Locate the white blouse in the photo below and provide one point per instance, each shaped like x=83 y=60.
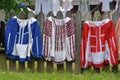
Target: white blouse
x=106 y=5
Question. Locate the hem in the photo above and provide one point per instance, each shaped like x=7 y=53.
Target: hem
x=18 y=58
x=99 y=65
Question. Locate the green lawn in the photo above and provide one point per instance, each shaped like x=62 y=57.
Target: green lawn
x=7 y=75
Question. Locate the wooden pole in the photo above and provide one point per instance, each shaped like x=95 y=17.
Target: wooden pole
x=41 y=19
x=69 y=64
x=78 y=29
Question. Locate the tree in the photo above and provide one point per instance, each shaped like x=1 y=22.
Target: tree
x=8 y=5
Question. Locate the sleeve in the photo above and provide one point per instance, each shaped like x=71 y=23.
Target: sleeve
x=83 y=45
x=71 y=40
x=47 y=31
x=37 y=41
x=112 y=45
x=9 y=37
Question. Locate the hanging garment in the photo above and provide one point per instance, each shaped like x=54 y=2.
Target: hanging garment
x=98 y=44
x=47 y=6
x=106 y=5
x=56 y=6
x=117 y=31
x=44 y=5
x=53 y=5
x=59 y=40
x=66 y=6
x=22 y=37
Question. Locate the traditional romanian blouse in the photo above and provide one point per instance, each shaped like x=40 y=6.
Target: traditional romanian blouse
x=59 y=40
x=98 y=44
x=22 y=37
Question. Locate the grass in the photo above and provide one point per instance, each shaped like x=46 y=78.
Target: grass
x=8 y=75
x=87 y=75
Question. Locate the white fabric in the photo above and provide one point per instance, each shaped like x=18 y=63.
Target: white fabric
x=53 y=40
x=106 y=5
x=46 y=6
x=22 y=50
x=98 y=23
x=8 y=40
x=66 y=6
x=53 y=5
x=97 y=57
x=65 y=20
x=56 y=6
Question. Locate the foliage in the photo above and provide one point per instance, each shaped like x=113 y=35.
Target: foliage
x=8 y=5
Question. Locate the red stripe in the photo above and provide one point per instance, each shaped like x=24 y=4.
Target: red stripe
x=112 y=52
x=47 y=28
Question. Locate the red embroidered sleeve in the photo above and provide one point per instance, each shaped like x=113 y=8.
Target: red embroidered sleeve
x=46 y=35
x=83 y=45
x=111 y=40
